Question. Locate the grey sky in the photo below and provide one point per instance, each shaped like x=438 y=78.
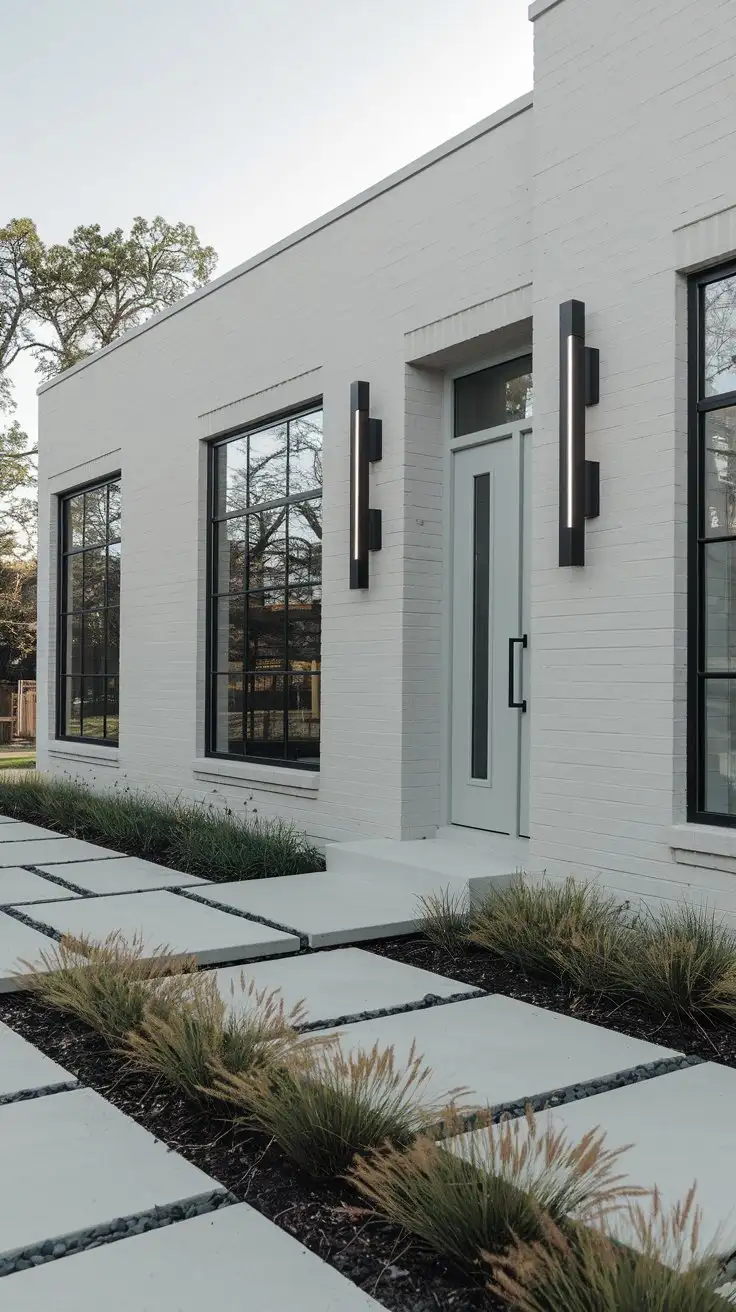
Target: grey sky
x=246 y=120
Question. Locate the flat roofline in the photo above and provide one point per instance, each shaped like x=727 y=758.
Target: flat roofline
x=408 y=171
x=539 y=7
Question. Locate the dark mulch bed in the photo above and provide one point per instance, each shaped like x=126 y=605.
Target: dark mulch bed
x=378 y=1257
x=471 y=965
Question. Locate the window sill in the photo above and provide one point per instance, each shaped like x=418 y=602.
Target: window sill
x=707 y=846
x=271 y=778
x=92 y=753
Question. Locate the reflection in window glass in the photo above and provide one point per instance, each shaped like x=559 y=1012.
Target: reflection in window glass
x=266 y=577
x=89 y=614
x=712 y=763
x=719 y=346
x=499 y=395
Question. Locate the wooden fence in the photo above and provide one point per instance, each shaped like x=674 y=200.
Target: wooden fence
x=18 y=711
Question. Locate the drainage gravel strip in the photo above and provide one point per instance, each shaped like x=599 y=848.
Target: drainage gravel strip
x=111 y=1231
x=542 y=1102
x=244 y=915
x=422 y=1004
x=33 y=924
x=25 y=1095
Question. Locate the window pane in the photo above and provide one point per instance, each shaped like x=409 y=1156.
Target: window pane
x=72 y=707
x=74 y=575
x=113 y=641
x=266 y=637
x=264 y=715
x=303 y=628
x=232 y=476
x=720 y=471
x=229 y=714
x=95 y=564
x=305 y=543
x=266 y=563
x=720 y=607
x=73 y=651
x=113 y=511
x=112 y=716
x=230 y=561
x=229 y=634
x=74 y=513
x=93 y=707
x=95 y=516
x=303 y=717
x=305 y=453
x=493 y=396
x=93 y=646
x=113 y=574
x=719 y=352
x=720 y=746
x=481 y=626
x=267 y=464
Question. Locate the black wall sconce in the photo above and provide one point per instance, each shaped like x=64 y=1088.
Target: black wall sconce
x=366 y=446
x=579 y=478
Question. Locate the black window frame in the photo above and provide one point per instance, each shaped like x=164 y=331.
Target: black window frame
x=304 y=409
x=699 y=406
x=63 y=554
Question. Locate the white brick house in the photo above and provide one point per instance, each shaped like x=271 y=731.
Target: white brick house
x=389 y=717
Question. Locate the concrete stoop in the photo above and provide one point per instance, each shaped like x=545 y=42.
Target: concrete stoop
x=464 y=862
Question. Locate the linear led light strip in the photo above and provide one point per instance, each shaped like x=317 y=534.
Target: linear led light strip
x=356 y=477
x=570 y=426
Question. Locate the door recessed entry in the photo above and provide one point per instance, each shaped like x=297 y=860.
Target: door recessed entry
x=490 y=699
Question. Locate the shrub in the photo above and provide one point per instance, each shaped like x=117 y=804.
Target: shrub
x=506 y=1177
x=566 y=931
x=325 y=1109
x=584 y=1270
x=188 y=1043
x=445 y=919
x=108 y=985
x=684 y=961
x=182 y=836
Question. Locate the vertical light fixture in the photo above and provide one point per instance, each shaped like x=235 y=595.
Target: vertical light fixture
x=366 y=446
x=579 y=478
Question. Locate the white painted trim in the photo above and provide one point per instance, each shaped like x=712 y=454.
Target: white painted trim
x=417 y=166
x=271 y=778
x=91 y=753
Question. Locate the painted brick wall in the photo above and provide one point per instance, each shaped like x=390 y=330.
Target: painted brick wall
x=331 y=308
x=634 y=137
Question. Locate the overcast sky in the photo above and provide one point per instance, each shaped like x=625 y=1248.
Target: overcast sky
x=246 y=119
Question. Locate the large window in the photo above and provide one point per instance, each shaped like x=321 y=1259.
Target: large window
x=266 y=592
x=712 y=656
x=89 y=614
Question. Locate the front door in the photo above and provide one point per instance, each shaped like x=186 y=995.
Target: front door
x=490 y=637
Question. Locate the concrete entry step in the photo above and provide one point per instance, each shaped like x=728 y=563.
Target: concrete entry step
x=231 y=1259
x=460 y=863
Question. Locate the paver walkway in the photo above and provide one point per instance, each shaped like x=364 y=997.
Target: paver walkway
x=75 y=1173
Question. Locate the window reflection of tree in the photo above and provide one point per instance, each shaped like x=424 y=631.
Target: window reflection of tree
x=272 y=484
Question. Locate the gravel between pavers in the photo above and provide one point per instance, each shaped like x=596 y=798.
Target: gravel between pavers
x=331 y=1219
x=27 y=1095
x=120 y=1228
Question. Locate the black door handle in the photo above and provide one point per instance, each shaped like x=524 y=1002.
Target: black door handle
x=515 y=706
